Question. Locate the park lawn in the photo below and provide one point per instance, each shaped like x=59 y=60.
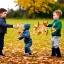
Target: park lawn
x=41 y=47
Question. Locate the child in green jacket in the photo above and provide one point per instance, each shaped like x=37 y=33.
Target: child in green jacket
x=56 y=26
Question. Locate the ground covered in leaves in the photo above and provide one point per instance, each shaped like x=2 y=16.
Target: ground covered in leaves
x=37 y=58
x=41 y=48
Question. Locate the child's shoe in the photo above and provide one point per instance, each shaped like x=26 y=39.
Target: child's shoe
x=27 y=54
x=53 y=52
x=1 y=54
x=58 y=52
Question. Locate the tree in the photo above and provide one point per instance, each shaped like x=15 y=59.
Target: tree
x=34 y=6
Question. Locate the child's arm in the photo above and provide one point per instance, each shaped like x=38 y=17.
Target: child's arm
x=49 y=25
x=21 y=37
x=46 y=24
x=26 y=34
x=58 y=27
x=2 y=23
x=53 y=29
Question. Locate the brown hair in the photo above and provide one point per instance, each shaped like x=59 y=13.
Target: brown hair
x=58 y=12
x=2 y=10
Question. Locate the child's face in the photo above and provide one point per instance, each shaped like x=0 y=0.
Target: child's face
x=3 y=15
x=23 y=28
x=55 y=16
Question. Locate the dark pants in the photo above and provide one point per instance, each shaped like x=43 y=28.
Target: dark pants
x=1 y=41
x=27 y=48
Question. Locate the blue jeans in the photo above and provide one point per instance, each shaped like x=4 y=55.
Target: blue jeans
x=27 y=48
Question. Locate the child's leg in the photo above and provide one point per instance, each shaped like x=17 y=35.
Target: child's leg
x=58 y=52
x=27 y=48
x=53 y=52
x=1 y=44
x=53 y=49
x=56 y=45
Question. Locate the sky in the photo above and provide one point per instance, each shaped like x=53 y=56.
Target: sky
x=8 y=4
x=55 y=0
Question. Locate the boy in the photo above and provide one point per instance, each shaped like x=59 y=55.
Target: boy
x=56 y=32
x=3 y=28
x=28 y=41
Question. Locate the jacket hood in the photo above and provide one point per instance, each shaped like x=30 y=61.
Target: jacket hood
x=27 y=26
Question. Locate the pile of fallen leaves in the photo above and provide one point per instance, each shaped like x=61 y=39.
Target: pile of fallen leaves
x=34 y=59
x=16 y=56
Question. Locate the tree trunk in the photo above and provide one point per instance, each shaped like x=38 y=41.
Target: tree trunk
x=33 y=16
x=61 y=1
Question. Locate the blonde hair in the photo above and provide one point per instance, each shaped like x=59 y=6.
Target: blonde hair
x=58 y=12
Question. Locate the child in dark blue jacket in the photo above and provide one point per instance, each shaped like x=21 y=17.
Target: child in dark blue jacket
x=3 y=28
x=27 y=39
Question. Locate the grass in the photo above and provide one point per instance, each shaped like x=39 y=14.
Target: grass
x=41 y=44
x=40 y=41
x=12 y=34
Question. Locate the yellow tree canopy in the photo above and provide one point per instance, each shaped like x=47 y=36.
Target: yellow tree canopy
x=35 y=5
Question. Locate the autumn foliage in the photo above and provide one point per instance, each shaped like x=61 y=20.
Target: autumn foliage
x=35 y=5
x=40 y=28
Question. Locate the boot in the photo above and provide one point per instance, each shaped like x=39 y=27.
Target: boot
x=58 y=52
x=30 y=53
x=53 y=52
x=1 y=53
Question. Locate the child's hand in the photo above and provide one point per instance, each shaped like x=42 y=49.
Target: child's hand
x=19 y=33
x=45 y=23
x=15 y=27
x=53 y=29
x=17 y=39
x=20 y=25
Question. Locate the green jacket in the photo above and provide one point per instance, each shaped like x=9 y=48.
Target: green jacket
x=57 y=25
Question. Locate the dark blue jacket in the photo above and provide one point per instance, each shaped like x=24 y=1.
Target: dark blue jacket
x=3 y=26
x=26 y=34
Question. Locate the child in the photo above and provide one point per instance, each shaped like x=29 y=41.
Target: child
x=28 y=41
x=56 y=32
x=3 y=28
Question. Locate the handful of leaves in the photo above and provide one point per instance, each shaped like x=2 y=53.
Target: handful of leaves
x=40 y=28
x=45 y=23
